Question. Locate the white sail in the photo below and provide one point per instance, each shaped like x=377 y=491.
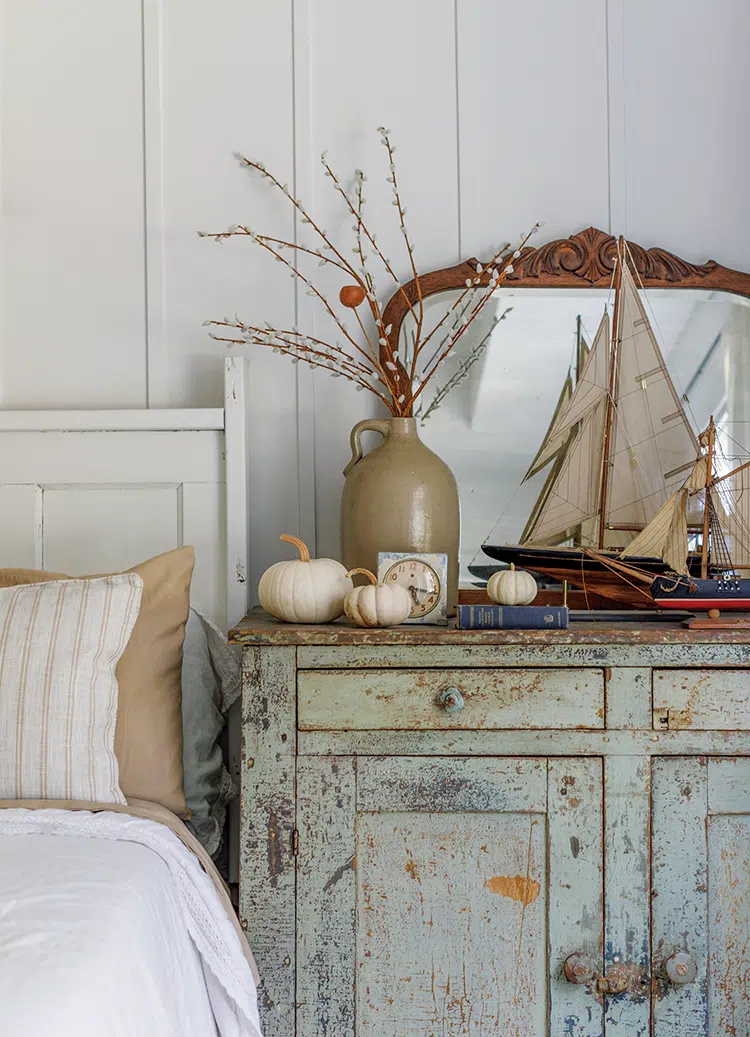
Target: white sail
x=543 y=455
x=665 y=536
x=652 y=449
x=590 y=388
x=575 y=494
x=653 y=446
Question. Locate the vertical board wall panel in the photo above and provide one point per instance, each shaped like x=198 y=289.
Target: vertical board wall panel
x=532 y=89
x=224 y=86
x=73 y=329
x=119 y=123
x=686 y=82
x=359 y=69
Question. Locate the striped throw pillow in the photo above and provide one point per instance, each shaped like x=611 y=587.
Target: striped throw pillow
x=59 y=645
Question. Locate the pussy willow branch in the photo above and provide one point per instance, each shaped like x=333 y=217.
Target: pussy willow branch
x=460 y=314
x=263 y=240
x=358 y=231
x=385 y=346
x=264 y=336
x=260 y=168
x=382 y=362
x=292 y=352
x=464 y=367
x=409 y=248
x=373 y=303
x=311 y=287
x=475 y=312
x=241 y=231
x=371 y=238
x=306 y=218
x=316 y=253
x=497 y=277
x=500 y=257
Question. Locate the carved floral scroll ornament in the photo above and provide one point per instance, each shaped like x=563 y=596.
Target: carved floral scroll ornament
x=591 y=256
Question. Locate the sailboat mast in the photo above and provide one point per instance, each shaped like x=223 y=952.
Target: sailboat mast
x=604 y=482
x=707 y=508
x=579 y=347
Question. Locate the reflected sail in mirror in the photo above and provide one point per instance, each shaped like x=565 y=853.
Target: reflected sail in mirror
x=552 y=446
x=551 y=492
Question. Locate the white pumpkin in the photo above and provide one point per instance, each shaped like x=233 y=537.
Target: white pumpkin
x=377 y=604
x=512 y=587
x=306 y=590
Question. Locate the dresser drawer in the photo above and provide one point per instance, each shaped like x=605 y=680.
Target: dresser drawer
x=702 y=700
x=474 y=699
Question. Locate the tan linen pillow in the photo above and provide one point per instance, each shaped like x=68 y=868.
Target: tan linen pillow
x=59 y=645
x=148 y=736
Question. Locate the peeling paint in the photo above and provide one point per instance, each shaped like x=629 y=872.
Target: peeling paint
x=454 y=897
x=339 y=873
x=495 y=699
x=517 y=887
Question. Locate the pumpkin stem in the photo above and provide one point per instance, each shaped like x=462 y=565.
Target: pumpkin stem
x=512 y=566
x=365 y=572
x=304 y=554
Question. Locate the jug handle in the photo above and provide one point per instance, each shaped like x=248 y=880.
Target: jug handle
x=383 y=426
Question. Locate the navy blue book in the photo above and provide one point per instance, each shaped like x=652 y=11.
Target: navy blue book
x=512 y=617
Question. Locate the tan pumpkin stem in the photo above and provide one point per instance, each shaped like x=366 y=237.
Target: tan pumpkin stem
x=364 y=572
x=512 y=567
x=304 y=554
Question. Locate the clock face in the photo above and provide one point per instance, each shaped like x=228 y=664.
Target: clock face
x=421 y=581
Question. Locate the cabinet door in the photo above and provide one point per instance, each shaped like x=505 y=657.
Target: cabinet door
x=701 y=897
x=442 y=896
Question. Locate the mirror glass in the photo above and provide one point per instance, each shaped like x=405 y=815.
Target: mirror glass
x=491 y=425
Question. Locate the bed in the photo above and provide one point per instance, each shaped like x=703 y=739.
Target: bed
x=113 y=918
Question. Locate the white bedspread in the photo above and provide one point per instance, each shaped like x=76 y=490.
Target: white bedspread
x=109 y=927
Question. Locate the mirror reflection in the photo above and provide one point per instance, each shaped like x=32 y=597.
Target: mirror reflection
x=517 y=369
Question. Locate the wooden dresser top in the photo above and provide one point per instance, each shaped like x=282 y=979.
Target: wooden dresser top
x=258 y=628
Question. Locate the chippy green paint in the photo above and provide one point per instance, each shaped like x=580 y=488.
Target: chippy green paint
x=406 y=871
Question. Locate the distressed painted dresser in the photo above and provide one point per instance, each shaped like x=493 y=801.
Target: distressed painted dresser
x=471 y=832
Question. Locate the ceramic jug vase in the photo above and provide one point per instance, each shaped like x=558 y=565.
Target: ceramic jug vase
x=399 y=497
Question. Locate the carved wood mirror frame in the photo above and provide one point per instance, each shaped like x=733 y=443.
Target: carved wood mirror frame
x=585 y=260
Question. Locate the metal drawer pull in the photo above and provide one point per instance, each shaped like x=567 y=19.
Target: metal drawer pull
x=451 y=700
x=579 y=968
x=681 y=968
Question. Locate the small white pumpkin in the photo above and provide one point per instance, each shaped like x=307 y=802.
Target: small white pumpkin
x=376 y=604
x=512 y=587
x=306 y=590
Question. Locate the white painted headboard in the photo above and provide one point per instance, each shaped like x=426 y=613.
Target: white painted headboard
x=99 y=491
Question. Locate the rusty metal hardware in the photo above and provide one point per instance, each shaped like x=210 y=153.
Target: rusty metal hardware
x=452 y=700
x=579 y=968
x=681 y=968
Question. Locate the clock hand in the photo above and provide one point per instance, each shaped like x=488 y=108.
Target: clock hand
x=413 y=592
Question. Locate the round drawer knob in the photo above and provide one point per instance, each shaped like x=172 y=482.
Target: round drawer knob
x=451 y=700
x=681 y=968
x=579 y=968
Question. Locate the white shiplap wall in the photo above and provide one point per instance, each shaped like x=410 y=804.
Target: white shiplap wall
x=119 y=122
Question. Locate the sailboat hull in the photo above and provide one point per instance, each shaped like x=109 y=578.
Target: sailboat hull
x=695 y=595
x=582 y=570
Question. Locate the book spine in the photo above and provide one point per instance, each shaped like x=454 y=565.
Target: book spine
x=512 y=617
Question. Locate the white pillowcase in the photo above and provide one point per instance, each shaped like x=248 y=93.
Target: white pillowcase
x=59 y=645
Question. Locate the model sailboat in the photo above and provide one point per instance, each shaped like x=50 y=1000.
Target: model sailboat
x=725 y=538
x=621 y=447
